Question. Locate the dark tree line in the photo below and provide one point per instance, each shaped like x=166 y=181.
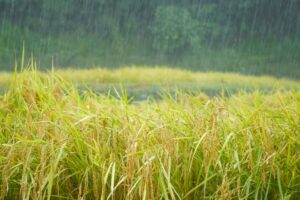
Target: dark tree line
x=213 y=21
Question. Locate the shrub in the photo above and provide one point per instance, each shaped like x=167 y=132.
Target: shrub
x=173 y=29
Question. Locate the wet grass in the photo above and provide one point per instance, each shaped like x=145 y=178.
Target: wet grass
x=58 y=143
x=142 y=82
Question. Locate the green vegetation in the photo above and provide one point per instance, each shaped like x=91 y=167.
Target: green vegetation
x=246 y=36
x=140 y=82
x=57 y=143
x=224 y=125
x=174 y=30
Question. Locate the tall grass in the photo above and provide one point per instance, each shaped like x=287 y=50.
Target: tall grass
x=59 y=144
x=166 y=77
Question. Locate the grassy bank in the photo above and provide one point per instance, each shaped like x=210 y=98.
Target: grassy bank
x=145 y=81
x=59 y=144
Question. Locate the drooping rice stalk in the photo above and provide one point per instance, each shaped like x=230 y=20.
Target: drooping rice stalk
x=57 y=143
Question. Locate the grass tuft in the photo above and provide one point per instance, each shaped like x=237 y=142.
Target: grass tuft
x=58 y=143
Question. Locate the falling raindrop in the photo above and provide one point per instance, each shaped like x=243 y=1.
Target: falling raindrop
x=247 y=36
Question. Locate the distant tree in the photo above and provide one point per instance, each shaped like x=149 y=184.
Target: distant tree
x=174 y=29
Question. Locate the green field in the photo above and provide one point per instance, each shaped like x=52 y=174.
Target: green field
x=80 y=134
x=142 y=81
x=150 y=100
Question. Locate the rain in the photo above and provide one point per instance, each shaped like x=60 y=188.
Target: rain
x=150 y=99
x=245 y=36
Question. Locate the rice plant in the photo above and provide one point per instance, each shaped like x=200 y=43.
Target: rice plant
x=58 y=143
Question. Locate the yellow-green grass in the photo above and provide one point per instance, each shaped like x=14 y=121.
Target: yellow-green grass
x=59 y=144
x=147 y=77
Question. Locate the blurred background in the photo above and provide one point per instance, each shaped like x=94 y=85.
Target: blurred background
x=245 y=36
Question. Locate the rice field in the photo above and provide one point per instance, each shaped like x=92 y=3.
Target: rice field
x=62 y=142
x=139 y=82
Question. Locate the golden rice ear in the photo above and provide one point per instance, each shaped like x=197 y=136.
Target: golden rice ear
x=58 y=92
x=202 y=97
x=30 y=96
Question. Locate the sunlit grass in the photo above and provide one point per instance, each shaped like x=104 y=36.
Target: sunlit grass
x=164 y=75
x=57 y=143
x=142 y=82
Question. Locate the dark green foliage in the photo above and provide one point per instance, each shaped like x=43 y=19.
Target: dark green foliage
x=239 y=18
x=173 y=32
x=174 y=29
